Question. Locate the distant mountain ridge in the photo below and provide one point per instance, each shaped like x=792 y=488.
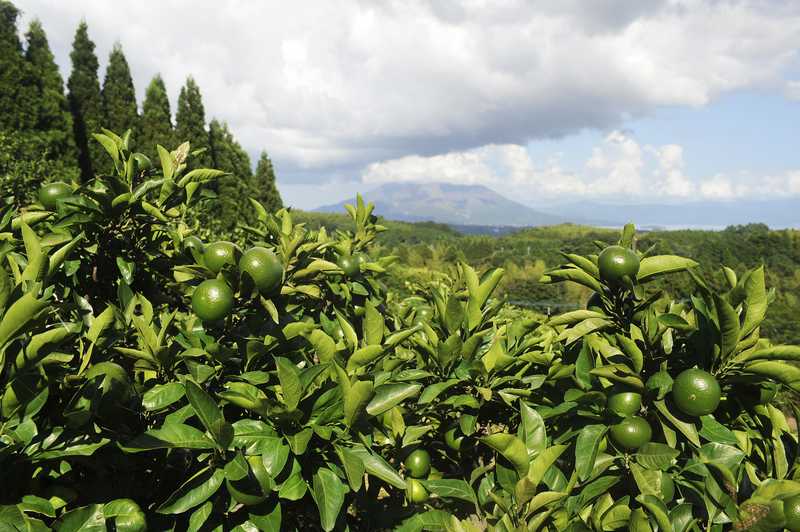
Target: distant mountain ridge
x=460 y=205
x=776 y=213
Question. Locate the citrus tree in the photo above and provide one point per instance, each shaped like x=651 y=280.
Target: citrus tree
x=154 y=375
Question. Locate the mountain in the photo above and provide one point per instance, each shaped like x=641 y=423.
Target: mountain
x=777 y=214
x=459 y=205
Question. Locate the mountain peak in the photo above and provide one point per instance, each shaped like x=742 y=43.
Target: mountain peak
x=451 y=204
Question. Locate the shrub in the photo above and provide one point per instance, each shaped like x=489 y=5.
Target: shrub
x=326 y=401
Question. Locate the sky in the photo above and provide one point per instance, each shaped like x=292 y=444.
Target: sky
x=544 y=101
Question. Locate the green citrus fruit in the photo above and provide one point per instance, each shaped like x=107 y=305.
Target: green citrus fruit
x=418 y=463
x=625 y=403
x=791 y=512
x=696 y=392
x=263 y=267
x=616 y=262
x=212 y=300
x=349 y=265
x=218 y=254
x=631 y=433
x=50 y=193
x=453 y=437
x=667 y=487
x=415 y=491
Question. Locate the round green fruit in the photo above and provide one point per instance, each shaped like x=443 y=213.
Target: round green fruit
x=453 y=437
x=616 y=262
x=791 y=512
x=631 y=433
x=263 y=267
x=415 y=491
x=349 y=265
x=696 y=392
x=625 y=403
x=212 y=300
x=219 y=254
x=50 y=193
x=418 y=463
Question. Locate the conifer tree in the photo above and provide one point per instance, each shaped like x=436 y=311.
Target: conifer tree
x=84 y=102
x=190 y=122
x=17 y=84
x=118 y=96
x=54 y=121
x=156 y=121
x=264 y=187
x=233 y=190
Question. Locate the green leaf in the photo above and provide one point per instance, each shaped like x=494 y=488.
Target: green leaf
x=58 y=258
x=162 y=395
x=167 y=167
x=169 y=436
x=586 y=448
x=355 y=400
x=373 y=325
x=362 y=357
x=728 y=326
x=19 y=315
x=654 y=455
x=84 y=519
x=453 y=314
x=658 y=510
x=755 y=302
x=328 y=492
x=195 y=491
x=289 y=377
x=378 y=467
x=353 y=467
x=652 y=267
x=127 y=515
x=575 y=275
x=777 y=352
x=451 y=488
x=575 y=316
x=676 y=322
x=200 y=516
x=388 y=396
x=713 y=430
x=434 y=390
x=511 y=448
x=688 y=429
x=532 y=429
x=543 y=461
x=209 y=414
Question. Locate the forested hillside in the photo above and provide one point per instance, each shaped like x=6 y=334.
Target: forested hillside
x=47 y=126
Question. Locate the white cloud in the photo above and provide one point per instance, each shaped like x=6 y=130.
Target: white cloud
x=332 y=86
x=618 y=168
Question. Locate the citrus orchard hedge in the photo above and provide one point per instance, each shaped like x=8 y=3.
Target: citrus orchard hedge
x=151 y=380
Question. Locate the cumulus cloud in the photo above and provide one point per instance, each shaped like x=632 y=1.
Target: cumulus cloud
x=330 y=87
x=620 y=168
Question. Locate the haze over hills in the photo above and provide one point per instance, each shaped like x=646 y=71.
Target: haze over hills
x=466 y=206
x=459 y=205
x=777 y=214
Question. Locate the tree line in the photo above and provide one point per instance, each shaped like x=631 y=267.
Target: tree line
x=46 y=131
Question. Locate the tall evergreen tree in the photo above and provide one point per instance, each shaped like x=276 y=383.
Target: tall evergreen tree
x=84 y=102
x=118 y=96
x=264 y=186
x=190 y=122
x=17 y=82
x=156 y=121
x=233 y=190
x=54 y=121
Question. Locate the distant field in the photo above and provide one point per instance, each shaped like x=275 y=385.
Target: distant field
x=527 y=253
